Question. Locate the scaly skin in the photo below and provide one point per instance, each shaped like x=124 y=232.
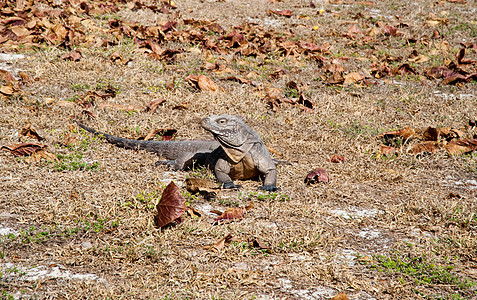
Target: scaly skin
x=238 y=152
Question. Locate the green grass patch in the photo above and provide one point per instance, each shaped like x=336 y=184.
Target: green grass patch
x=424 y=272
x=74 y=162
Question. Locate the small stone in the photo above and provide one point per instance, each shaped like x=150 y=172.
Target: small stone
x=86 y=246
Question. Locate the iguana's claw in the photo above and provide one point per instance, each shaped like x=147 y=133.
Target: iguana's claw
x=269 y=188
x=230 y=185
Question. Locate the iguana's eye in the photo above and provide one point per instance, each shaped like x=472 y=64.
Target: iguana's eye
x=221 y=121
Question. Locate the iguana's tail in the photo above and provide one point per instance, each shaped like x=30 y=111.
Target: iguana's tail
x=167 y=149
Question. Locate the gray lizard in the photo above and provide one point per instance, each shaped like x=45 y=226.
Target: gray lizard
x=238 y=152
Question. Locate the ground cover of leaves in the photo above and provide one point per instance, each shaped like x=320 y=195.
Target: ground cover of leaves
x=374 y=92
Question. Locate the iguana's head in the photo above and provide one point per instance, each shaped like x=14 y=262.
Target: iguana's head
x=230 y=131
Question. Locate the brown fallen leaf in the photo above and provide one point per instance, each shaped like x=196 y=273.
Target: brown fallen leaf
x=403 y=70
x=405 y=133
x=352 y=77
x=256 y=243
x=304 y=102
x=449 y=75
x=238 y=79
x=337 y=159
x=24 y=76
x=430 y=134
x=74 y=55
x=317 y=175
x=170 y=207
x=23 y=149
x=30 y=132
x=285 y=13
x=450 y=133
x=231 y=214
x=153 y=105
x=202 y=82
x=183 y=105
x=460 y=58
x=353 y=30
x=69 y=140
x=7 y=77
x=7 y=90
x=388 y=150
x=165 y=134
x=206 y=84
x=191 y=211
x=204 y=187
x=461 y=146
x=220 y=244
x=341 y=296
x=42 y=153
x=117 y=58
x=424 y=147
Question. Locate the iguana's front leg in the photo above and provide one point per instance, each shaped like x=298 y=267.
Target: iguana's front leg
x=270 y=181
x=222 y=171
x=266 y=166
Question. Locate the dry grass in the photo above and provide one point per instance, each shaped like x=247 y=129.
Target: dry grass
x=380 y=229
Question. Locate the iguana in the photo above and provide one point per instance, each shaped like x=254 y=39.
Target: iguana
x=238 y=152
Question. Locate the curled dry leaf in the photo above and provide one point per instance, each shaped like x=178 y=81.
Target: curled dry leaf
x=42 y=153
x=193 y=212
x=165 y=134
x=285 y=13
x=341 y=296
x=388 y=150
x=24 y=76
x=450 y=75
x=170 y=207
x=419 y=59
x=7 y=77
x=206 y=84
x=460 y=58
x=74 y=55
x=231 y=214
x=7 y=90
x=119 y=59
x=183 y=105
x=23 y=149
x=220 y=244
x=203 y=82
x=317 y=175
x=430 y=134
x=353 y=30
x=461 y=146
x=30 y=132
x=404 y=133
x=203 y=186
x=352 y=77
x=337 y=159
x=153 y=105
x=69 y=140
x=238 y=79
x=256 y=243
x=403 y=70
x=450 y=133
x=424 y=147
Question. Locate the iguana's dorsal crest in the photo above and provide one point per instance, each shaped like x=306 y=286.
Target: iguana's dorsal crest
x=235 y=137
